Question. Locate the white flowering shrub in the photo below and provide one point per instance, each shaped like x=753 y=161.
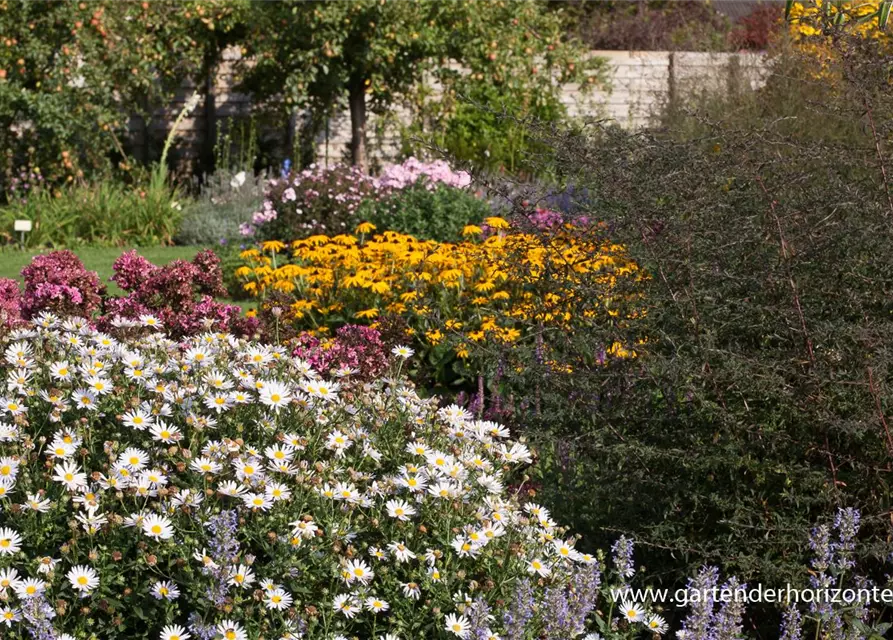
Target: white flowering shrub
x=218 y=488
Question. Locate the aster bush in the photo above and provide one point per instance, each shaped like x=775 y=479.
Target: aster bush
x=219 y=488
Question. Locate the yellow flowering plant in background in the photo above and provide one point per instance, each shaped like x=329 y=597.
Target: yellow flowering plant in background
x=453 y=297
x=814 y=25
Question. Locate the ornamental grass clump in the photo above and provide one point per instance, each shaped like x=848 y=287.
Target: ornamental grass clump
x=215 y=487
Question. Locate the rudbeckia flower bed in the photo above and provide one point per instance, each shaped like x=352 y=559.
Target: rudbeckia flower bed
x=450 y=295
x=214 y=487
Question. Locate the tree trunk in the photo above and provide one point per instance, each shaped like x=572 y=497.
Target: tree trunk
x=357 y=99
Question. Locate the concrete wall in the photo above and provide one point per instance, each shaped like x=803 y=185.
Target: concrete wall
x=640 y=83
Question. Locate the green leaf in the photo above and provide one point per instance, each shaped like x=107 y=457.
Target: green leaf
x=883 y=14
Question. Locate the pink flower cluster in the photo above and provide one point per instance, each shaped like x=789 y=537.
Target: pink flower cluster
x=58 y=282
x=412 y=170
x=326 y=199
x=313 y=200
x=354 y=347
x=180 y=294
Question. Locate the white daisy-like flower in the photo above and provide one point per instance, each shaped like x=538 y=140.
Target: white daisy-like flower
x=60 y=371
x=231 y=630
x=241 y=576
x=656 y=624
x=632 y=612
x=275 y=395
x=257 y=501
x=137 y=419
x=358 y=571
x=29 y=588
x=538 y=567
x=7 y=486
x=402 y=351
x=347 y=605
x=10 y=542
x=8 y=615
x=458 y=625
x=165 y=590
x=83 y=578
x=278 y=600
x=9 y=578
x=400 y=509
x=158 y=527
x=174 y=632
x=151 y=321
x=401 y=552
x=204 y=464
x=411 y=590
x=376 y=605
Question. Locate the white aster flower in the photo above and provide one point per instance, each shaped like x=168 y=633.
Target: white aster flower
x=10 y=542
x=83 y=578
x=231 y=630
x=457 y=625
x=174 y=632
x=278 y=600
x=402 y=351
x=632 y=612
x=158 y=527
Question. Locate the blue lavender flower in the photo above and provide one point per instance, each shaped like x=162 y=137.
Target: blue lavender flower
x=224 y=548
x=479 y=620
x=199 y=629
x=791 y=625
x=847 y=525
x=699 y=624
x=38 y=612
x=729 y=622
x=623 y=559
x=517 y=616
x=820 y=543
x=556 y=614
x=566 y=607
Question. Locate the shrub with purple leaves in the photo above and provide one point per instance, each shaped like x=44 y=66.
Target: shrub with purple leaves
x=10 y=303
x=180 y=295
x=57 y=282
x=354 y=350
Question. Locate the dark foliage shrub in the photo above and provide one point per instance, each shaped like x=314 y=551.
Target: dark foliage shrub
x=756 y=30
x=684 y=25
x=760 y=394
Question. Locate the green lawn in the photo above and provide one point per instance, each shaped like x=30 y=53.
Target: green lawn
x=100 y=259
